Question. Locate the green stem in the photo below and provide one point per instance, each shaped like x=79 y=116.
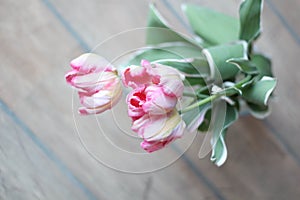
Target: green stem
x=194 y=95
x=199 y=103
x=242 y=82
x=189 y=94
x=215 y=96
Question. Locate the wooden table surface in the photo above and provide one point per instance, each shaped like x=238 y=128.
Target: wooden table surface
x=45 y=155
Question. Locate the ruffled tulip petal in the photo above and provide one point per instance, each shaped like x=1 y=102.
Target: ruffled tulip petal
x=157 y=102
x=135 y=99
x=101 y=101
x=154 y=145
x=96 y=100
x=157 y=127
x=170 y=79
x=173 y=119
x=136 y=76
x=164 y=70
x=89 y=62
x=172 y=85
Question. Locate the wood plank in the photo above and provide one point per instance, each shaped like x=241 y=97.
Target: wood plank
x=258 y=167
x=288 y=11
x=39 y=96
x=284 y=53
x=26 y=172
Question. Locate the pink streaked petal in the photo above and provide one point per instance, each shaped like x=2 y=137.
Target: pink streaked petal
x=145 y=63
x=148 y=66
x=93 y=111
x=173 y=126
x=87 y=79
x=135 y=99
x=140 y=124
x=98 y=99
x=164 y=70
x=70 y=76
x=151 y=146
x=172 y=85
x=136 y=76
x=100 y=109
x=155 y=126
x=157 y=102
x=89 y=62
x=83 y=83
x=135 y=112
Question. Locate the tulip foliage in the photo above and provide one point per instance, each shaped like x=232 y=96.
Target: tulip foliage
x=217 y=61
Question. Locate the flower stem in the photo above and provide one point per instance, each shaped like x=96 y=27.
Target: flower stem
x=199 y=103
x=226 y=92
x=189 y=94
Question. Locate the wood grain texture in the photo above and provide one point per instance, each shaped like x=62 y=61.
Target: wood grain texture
x=258 y=167
x=26 y=172
x=38 y=40
x=287 y=12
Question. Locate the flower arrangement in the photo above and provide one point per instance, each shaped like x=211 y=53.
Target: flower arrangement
x=218 y=62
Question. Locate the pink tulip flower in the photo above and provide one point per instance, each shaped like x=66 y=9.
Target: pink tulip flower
x=151 y=99
x=97 y=82
x=167 y=77
x=159 y=131
x=152 y=103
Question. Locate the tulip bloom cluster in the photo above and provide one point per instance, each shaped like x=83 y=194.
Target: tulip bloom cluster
x=151 y=103
x=217 y=61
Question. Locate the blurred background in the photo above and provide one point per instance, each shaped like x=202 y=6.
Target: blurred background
x=48 y=152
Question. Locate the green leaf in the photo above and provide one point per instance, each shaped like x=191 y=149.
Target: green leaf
x=219 y=150
x=258 y=111
x=244 y=65
x=260 y=91
x=217 y=57
x=190 y=66
x=159 y=32
x=206 y=122
x=194 y=118
x=197 y=66
x=213 y=27
x=250 y=14
x=263 y=65
x=175 y=50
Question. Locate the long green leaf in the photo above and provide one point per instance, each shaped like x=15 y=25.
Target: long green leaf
x=219 y=150
x=250 y=14
x=213 y=27
x=263 y=65
x=197 y=66
x=172 y=50
x=260 y=92
x=218 y=57
x=158 y=30
x=259 y=111
x=244 y=65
